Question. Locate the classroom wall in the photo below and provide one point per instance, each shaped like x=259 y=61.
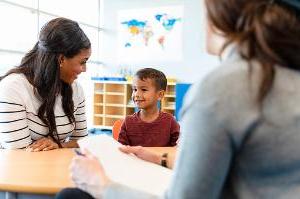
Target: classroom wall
x=195 y=62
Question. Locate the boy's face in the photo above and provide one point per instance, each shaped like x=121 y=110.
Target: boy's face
x=144 y=93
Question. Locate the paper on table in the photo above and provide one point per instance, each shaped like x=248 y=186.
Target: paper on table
x=127 y=169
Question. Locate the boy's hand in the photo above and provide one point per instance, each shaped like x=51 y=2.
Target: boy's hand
x=142 y=153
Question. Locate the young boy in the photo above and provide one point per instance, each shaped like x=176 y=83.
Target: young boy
x=149 y=126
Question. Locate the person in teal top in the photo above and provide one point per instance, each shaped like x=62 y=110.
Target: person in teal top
x=240 y=126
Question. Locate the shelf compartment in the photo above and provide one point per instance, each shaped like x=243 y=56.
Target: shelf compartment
x=98 y=120
x=109 y=99
x=114 y=111
x=98 y=87
x=118 y=88
x=168 y=102
x=98 y=109
x=98 y=98
x=170 y=90
x=109 y=121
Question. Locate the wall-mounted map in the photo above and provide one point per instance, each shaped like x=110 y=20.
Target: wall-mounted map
x=152 y=34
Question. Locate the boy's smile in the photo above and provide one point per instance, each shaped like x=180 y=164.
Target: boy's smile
x=144 y=93
x=138 y=101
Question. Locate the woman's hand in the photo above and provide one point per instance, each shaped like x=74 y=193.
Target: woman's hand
x=88 y=174
x=44 y=144
x=142 y=153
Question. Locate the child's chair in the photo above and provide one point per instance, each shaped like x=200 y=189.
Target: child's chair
x=116 y=128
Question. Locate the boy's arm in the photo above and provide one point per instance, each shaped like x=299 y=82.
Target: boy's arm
x=123 y=139
x=175 y=129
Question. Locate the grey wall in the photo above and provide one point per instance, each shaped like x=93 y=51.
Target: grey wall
x=195 y=63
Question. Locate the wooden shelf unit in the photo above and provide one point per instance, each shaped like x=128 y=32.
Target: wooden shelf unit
x=112 y=101
x=168 y=102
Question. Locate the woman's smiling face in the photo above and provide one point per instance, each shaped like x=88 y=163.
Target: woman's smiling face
x=70 y=68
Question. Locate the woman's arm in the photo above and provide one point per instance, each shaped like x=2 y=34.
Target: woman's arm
x=80 y=123
x=80 y=130
x=14 y=131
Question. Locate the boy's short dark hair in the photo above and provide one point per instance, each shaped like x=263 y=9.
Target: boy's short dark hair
x=159 y=77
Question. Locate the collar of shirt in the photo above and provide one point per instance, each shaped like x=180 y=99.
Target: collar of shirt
x=228 y=52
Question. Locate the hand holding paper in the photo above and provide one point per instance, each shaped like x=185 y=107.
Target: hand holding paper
x=88 y=174
x=119 y=167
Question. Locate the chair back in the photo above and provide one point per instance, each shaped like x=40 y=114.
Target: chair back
x=117 y=128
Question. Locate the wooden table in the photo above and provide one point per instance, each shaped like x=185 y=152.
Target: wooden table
x=35 y=172
x=41 y=172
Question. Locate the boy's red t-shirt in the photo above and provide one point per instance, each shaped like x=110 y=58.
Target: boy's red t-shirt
x=162 y=132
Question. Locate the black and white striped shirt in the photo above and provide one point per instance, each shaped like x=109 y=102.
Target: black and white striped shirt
x=19 y=123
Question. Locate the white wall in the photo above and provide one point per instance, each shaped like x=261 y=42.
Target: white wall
x=195 y=63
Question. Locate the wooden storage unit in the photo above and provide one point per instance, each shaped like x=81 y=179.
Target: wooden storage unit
x=109 y=103
x=112 y=101
x=130 y=107
x=168 y=102
x=98 y=104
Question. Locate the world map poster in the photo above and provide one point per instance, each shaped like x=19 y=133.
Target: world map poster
x=150 y=34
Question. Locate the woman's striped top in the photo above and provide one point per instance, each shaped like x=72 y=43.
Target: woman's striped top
x=19 y=123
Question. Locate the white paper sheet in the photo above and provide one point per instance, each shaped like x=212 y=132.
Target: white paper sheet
x=127 y=169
